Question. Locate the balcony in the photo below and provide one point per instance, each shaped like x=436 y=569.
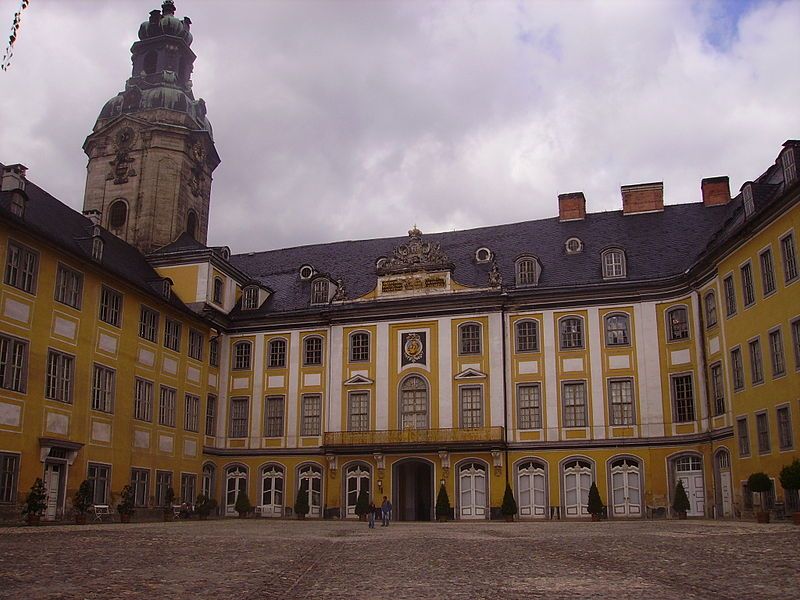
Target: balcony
x=478 y=437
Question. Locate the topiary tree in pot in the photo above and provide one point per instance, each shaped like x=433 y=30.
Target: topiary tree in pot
x=82 y=501
x=443 y=509
x=243 y=506
x=126 y=502
x=509 y=506
x=204 y=506
x=761 y=483
x=680 y=501
x=595 y=505
x=790 y=481
x=362 y=504
x=35 y=503
x=301 y=507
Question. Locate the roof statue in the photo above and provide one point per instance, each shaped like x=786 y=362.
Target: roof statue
x=415 y=255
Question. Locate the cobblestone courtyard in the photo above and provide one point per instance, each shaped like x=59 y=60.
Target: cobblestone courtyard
x=333 y=559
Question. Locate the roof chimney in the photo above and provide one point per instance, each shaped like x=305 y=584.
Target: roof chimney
x=642 y=198
x=13 y=177
x=93 y=215
x=716 y=191
x=571 y=207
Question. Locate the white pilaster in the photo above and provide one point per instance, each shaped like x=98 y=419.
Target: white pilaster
x=549 y=338
x=382 y=377
x=649 y=367
x=445 y=374
x=598 y=392
x=496 y=370
x=292 y=401
x=257 y=403
x=334 y=387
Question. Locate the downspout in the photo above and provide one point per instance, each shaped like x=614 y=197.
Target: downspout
x=505 y=384
x=709 y=388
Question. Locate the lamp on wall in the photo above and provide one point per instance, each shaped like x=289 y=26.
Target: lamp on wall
x=497 y=461
x=444 y=456
x=380 y=462
x=441 y=481
x=331 y=458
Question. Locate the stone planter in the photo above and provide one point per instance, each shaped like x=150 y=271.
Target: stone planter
x=80 y=519
x=762 y=517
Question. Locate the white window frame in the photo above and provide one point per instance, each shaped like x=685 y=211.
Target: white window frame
x=470 y=406
x=143 y=399
x=166 y=406
x=311 y=415
x=274 y=407
x=529 y=406
x=103 y=386
x=69 y=286
x=574 y=405
x=110 y=306
x=614 y=266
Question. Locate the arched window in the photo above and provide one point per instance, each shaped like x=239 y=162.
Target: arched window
x=191 y=224
x=571 y=333
x=613 y=263
x=528 y=271
x=117 y=214
x=617 y=330
x=250 y=298
x=97 y=248
x=573 y=245
x=532 y=489
x=272 y=491
x=357 y=478
x=276 y=357
x=414 y=403
x=312 y=350
x=711 y=309
x=208 y=480
x=320 y=291
x=217 y=293
x=527 y=336
x=472 y=490
x=577 y=475
x=469 y=335
x=678 y=324
x=359 y=347
x=310 y=477
x=483 y=255
x=235 y=484
x=241 y=355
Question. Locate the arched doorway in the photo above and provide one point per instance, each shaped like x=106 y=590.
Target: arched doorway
x=532 y=489
x=235 y=484
x=272 y=491
x=357 y=478
x=413 y=490
x=626 y=487
x=472 y=491
x=688 y=469
x=577 y=478
x=310 y=477
x=724 y=490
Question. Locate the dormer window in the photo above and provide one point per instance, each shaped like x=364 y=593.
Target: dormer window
x=528 y=271
x=18 y=204
x=320 y=291
x=250 y=298
x=483 y=255
x=97 y=248
x=747 y=199
x=166 y=288
x=613 y=264
x=789 y=167
x=216 y=296
x=306 y=272
x=226 y=253
x=574 y=245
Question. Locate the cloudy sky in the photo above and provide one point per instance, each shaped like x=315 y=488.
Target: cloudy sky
x=349 y=119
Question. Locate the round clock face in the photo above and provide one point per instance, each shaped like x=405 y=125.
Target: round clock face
x=198 y=152
x=125 y=137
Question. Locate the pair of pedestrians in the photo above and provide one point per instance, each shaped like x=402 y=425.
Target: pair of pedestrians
x=383 y=512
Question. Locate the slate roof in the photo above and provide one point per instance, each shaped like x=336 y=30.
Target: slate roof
x=657 y=245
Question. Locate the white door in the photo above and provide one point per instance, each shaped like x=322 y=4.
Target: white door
x=577 y=481
x=311 y=484
x=357 y=480
x=272 y=492
x=236 y=483
x=472 y=486
x=689 y=470
x=626 y=488
x=532 y=492
x=725 y=490
x=52 y=483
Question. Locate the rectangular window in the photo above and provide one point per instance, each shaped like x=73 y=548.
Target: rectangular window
x=796 y=342
x=13 y=363
x=767 y=272
x=683 y=398
x=172 y=334
x=140 y=482
x=110 y=306
x=213 y=352
x=574 y=397
x=166 y=407
x=471 y=407
x=239 y=417
x=143 y=400
x=58 y=380
x=69 y=286
x=358 y=411
x=529 y=402
x=737 y=369
x=789 y=257
x=163 y=483
x=748 y=293
x=776 y=353
x=718 y=389
x=313 y=351
x=785 y=441
x=756 y=365
x=9 y=472
x=273 y=420
x=191 y=418
x=762 y=430
x=99 y=477
x=211 y=415
x=188 y=488
x=312 y=409
x=103 y=389
x=22 y=265
x=730 y=296
x=195 y=344
x=277 y=354
x=620 y=392
x=743 y=435
x=148 y=324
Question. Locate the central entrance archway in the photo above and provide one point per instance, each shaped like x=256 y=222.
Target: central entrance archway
x=413 y=490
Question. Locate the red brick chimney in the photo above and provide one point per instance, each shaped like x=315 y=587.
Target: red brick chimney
x=642 y=198
x=571 y=207
x=716 y=190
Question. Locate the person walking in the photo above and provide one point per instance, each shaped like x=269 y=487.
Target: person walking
x=371 y=514
x=386 y=510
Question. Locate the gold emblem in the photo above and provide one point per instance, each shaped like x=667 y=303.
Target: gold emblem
x=413 y=347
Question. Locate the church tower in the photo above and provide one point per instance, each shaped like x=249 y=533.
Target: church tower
x=151 y=152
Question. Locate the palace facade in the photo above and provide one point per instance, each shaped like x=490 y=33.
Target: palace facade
x=631 y=348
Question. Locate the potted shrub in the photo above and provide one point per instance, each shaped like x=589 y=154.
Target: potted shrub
x=301 y=507
x=761 y=483
x=35 y=503
x=82 y=502
x=680 y=501
x=243 y=506
x=125 y=506
x=509 y=506
x=362 y=504
x=595 y=505
x=204 y=506
x=790 y=480
x=443 y=510
x=169 y=499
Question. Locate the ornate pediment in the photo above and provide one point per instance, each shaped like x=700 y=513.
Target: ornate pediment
x=414 y=256
x=470 y=374
x=359 y=380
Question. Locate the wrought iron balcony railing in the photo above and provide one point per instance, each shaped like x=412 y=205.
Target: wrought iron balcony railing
x=414 y=436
